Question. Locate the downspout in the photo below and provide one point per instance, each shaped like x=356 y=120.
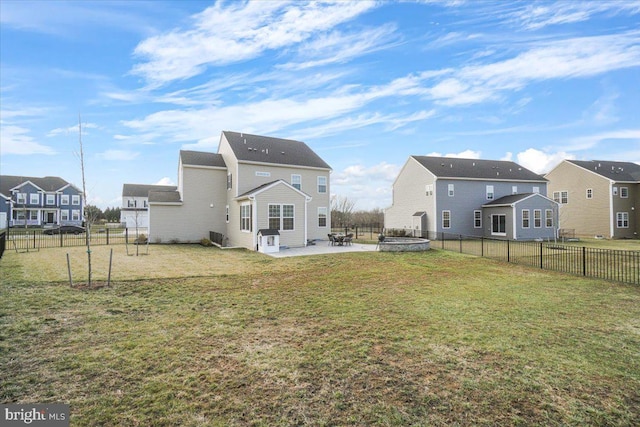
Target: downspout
x=515 y=222
x=306 y=219
x=611 y=214
x=254 y=222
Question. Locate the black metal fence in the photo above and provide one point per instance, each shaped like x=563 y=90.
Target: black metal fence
x=25 y=239
x=364 y=231
x=3 y=242
x=609 y=264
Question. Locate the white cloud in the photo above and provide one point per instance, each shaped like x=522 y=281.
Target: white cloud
x=72 y=129
x=631 y=137
x=16 y=140
x=466 y=154
x=539 y=161
x=539 y=15
x=368 y=186
x=233 y=32
x=165 y=181
x=118 y=155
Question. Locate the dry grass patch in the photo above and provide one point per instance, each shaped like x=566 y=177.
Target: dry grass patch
x=352 y=339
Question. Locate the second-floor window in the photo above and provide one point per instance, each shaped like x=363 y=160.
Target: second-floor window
x=131 y=203
x=548 y=218
x=21 y=198
x=514 y=189
x=296 y=181
x=589 y=193
x=490 y=193
x=624 y=192
x=64 y=199
x=451 y=190
x=561 y=197
x=51 y=199
x=34 y=199
x=75 y=199
x=322 y=184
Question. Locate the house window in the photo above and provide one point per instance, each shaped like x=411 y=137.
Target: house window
x=589 y=193
x=446 y=219
x=226 y=210
x=33 y=215
x=281 y=217
x=622 y=219
x=322 y=184
x=477 y=219
x=525 y=218
x=624 y=192
x=51 y=199
x=490 y=193
x=34 y=199
x=245 y=218
x=145 y=204
x=64 y=199
x=450 y=190
x=561 y=197
x=131 y=203
x=64 y=215
x=499 y=224
x=75 y=199
x=514 y=189
x=20 y=215
x=21 y=198
x=536 y=190
x=428 y=190
x=615 y=191
x=296 y=181
x=548 y=218
x=75 y=215
x=322 y=217
x=229 y=181
x=537 y=218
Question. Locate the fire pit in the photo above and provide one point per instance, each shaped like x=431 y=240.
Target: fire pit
x=403 y=244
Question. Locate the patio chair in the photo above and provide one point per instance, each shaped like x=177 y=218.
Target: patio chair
x=348 y=239
x=332 y=239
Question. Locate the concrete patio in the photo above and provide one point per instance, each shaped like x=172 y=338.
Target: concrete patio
x=323 y=247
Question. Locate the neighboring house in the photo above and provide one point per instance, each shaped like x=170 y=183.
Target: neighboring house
x=471 y=197
x=251 y=185
x=135 y=203
x=597 y=197
x=33 y=201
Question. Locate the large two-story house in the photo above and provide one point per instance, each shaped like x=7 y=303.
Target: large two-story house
x=253 y=186
x=34 y=201
x=134 y=212
x=598 y=197
x=436 y=196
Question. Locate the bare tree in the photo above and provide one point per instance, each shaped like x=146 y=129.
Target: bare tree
x=341 y=211
x=88 y=221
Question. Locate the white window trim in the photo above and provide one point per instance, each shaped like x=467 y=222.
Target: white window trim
x=75 y=199
x=514 y=189
x=75 y=215
x=64 y=215
x=589 y=193
x=50 y=199
x=299 y=183
x=622 y=217
x=539 y=212
x=326 y=184
x=548 y=216
x=282 y=217
x=32 y=197
x=443 y=219
x=242 y=218
x=497 y=233
x=451 y=190
x=528 y=218
x=326 y=216
x=21 y=198
x=64 y=199
x=490 y=193
x=477 y=215
x=624 y=190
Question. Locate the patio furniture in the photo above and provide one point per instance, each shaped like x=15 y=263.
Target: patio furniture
x=332 y=240
x=348 y=239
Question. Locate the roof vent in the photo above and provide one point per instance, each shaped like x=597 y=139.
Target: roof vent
x=282 y=153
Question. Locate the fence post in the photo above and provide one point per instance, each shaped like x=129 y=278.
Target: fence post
x=34 y=239
x=481 y=245
x=508 y=252
x=460 y=237
x=442 y=238
x=584 y=261
x=541 y=266
x=107 y=231
x=61 y=244
x=126 y=235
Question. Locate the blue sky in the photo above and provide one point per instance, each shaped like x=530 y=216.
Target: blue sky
x=365 y=84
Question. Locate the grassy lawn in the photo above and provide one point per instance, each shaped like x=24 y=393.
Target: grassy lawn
x=197 y=336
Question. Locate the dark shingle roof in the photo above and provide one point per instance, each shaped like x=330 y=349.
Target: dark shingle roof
x=450 y=167
x=509 y=200
x=201 y=158
x=142 y=190
x=616 y=171
x=164 y=197
x=264 y=149
x=47 y=183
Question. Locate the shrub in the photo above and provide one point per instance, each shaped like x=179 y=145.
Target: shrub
x=206 y=242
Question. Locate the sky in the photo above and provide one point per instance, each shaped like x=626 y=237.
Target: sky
x=365 y=84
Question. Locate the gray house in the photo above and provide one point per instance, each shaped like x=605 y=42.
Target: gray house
x=471 y=197
x=135 y=203
x=34 y=201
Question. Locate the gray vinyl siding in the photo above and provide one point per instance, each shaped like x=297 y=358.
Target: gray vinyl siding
x=470 y=195
x=488 y=213
x=531 y=233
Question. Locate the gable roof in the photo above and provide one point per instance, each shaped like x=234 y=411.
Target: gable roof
x=615 y=171
x=164 y=197
x=268 y=185
x=512 y=199
x=142 y=190
x=495 y=170
x=47 y=183
x=265 y=149
x=201 y=158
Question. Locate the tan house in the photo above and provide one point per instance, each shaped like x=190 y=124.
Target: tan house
x=253 y=186
x=597 y=197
